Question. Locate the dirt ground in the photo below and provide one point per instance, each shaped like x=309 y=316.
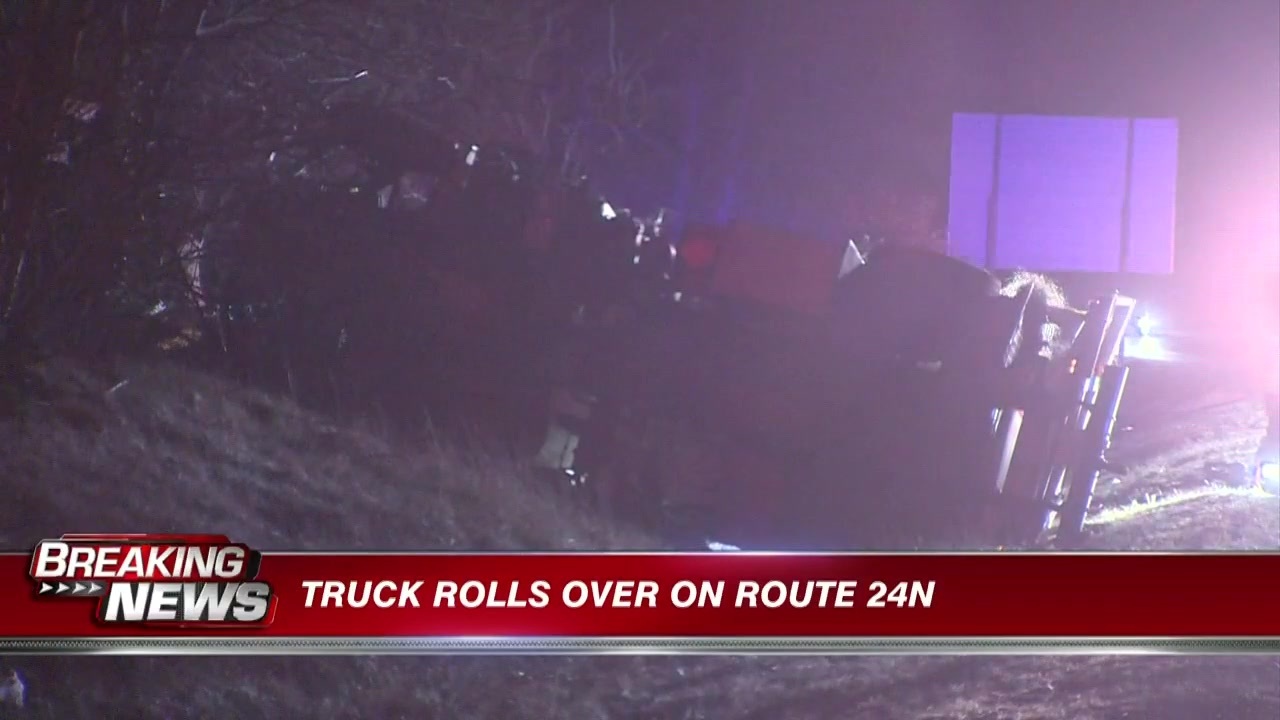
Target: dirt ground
x=171 y=451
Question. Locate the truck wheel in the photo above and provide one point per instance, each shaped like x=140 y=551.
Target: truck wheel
x=1072 y=515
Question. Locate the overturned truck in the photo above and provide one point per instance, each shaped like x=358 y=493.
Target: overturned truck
x=771 y=391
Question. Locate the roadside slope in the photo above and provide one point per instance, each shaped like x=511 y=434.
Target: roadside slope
x=161 y=449
x=171 y=450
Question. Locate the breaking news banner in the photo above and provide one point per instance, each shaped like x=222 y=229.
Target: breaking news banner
x=203 y=594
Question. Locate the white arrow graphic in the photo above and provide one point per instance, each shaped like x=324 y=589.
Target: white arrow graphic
x=45 y=587
x=94 y=587
x=63 y=587
x=81 y=587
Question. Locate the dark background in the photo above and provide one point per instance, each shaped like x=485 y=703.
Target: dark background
x=793 y=109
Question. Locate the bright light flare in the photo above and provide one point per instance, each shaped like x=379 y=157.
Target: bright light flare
x=1150 y=349
x=1269 y=472
x=1268 y=477
x=1146 y=324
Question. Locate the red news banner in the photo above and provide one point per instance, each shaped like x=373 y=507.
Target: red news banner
x=149 y=586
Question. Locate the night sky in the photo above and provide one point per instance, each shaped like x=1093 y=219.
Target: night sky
x=792 y=107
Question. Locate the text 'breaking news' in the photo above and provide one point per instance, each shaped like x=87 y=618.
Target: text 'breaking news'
x=201 y=591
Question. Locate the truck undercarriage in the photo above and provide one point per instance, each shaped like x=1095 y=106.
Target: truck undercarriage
x=919 y=399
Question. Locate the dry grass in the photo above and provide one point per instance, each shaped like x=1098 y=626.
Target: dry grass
x=1171 y=498
x=160 y=449
x=173 y=451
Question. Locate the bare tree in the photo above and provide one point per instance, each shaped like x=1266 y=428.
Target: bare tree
x=95 y=195
x=560 y=79
x=133 y=129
